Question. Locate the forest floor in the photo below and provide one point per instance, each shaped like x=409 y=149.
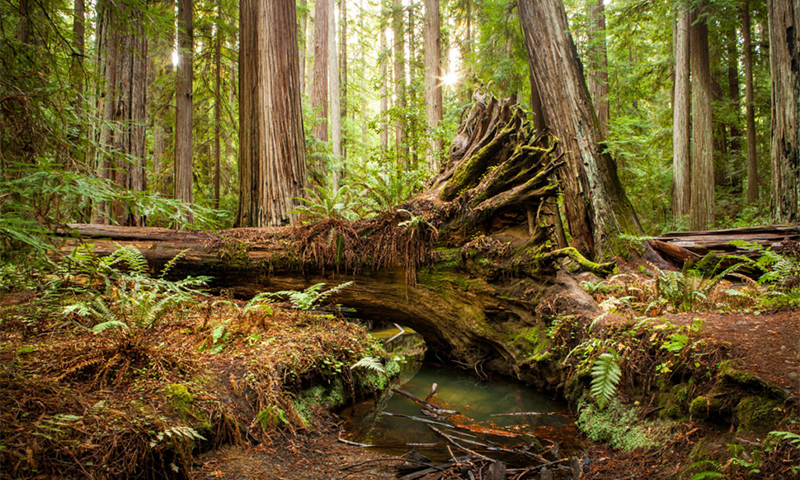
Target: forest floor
x=70 y=397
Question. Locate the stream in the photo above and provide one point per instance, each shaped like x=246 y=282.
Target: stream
x=498 y=418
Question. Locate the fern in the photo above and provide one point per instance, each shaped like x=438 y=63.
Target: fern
x=605 y=378
x=311 y=296
x=792 y=438
x=369 y=363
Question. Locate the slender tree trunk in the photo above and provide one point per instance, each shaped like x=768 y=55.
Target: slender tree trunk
x=79 y=47
x=319 y=80
x=183 y=104
x=433 y=73
x=399 y=79
x=412 y=76
x=343 y=82
x=784 y=58
x=272 y=166
x=468 y=50
x=384 y=54
x=733 y=90
x=596 y=206
x=702 y=195
x=681 y=151
x=217 y=100
x=750 y=116
x=598 y=69
x=336 y=110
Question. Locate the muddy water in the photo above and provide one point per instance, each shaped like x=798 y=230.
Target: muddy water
x=499 y=418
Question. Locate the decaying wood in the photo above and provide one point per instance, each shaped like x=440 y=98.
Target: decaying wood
x=678 y=248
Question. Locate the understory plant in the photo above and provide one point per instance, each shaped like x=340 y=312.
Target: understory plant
x=309 y=298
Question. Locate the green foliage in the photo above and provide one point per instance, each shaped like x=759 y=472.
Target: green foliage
x=789 y=437
x=130 y=298
x=370 y=364
x=619 y=425
x=384 y=188
x=311 y=296
x=606 y=375
x=327 y=204
x=683 y=291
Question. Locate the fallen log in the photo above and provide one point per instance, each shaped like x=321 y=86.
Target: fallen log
x=678 y=248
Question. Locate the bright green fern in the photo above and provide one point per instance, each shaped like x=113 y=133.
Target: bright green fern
x=605 y=378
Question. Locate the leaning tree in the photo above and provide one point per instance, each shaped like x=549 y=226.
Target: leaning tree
x=596 y=206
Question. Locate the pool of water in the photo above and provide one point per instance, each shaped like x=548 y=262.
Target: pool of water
x=498 y=418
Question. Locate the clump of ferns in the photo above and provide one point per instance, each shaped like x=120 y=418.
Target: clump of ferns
x=780 y=275
x=123 y=313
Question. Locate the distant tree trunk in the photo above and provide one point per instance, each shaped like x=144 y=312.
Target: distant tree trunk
x=343 y=82
x=336 y=110
x=702 y=196
x=319 y=80
x=784 y=58
x=217 y=100
x=384 y=54
x=467 y=53
x=433 y=73
x=272 y=165
x=184 y=103
x=681 y=151
x=124 y=58
x=597 y=208
x=79 y=45
x=303 y=39
x=598 y=56
x=399 y=78
x=750 y=116
x=412 y=76
x=733 y=91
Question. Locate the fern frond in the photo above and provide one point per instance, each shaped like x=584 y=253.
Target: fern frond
x=171 y=263
x=100 y=327
x=369 y=363
x=605 y=377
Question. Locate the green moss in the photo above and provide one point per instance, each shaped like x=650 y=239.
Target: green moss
x=577 y=386
x=179 y=399
x=756 y=413
x=705 y=407
x=620 y=427
x=728 y=373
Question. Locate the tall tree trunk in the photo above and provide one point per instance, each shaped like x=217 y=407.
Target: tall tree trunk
x=702 y=196
x=336 y=110
x=343 y=82
x=384 y=93
x=399 y=79
x=272 y=165
x=784 y=58
x=750 y=115
x=539 y=122
x=303 y=40
x=217 y=100
x=596 y=206
x=681 y=151
x=319 y=80
x=412 y=75
x=433 y=73
x=79 y=47
x=183 y=104
x=733 y=91
x=598 y=68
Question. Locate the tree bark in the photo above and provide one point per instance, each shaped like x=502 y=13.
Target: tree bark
x=184 y=104
x=702 y=196
x=596 y=205
x=598 y=68
x=303 y=40
x=784 y=58
x=320 y=80
x=217 y=100
x=433 y=73
x=750 y=116
x=79 y=52
x=272 y=166
x=343 y=82
x=681 y=151
x=733 y=91
x=399 y=79
x=335 y=106
x=384 y=93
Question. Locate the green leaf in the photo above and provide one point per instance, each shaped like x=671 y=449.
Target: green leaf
x=605 y=377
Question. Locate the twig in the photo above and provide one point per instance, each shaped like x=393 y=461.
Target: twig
x=456 y=444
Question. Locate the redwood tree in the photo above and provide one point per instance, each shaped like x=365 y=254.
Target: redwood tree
x=319 y=77
x=433 y=73
x=596 y=205
x=184 y=103
x=784 y=58
x=702 y=196
x=272 y=164
x=681 y=151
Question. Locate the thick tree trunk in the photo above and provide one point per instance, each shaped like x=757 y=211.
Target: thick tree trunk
x=433 y=73
x=184 y=103
x=750 y=115
x=702 y=196
x=319 y=78
x=784 y=58
x=598 y=68
x=303 y=40
x=272 y=166
x=681 y=151
x=596 y=205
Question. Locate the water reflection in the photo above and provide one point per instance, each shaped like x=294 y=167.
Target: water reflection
x=502 y=417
